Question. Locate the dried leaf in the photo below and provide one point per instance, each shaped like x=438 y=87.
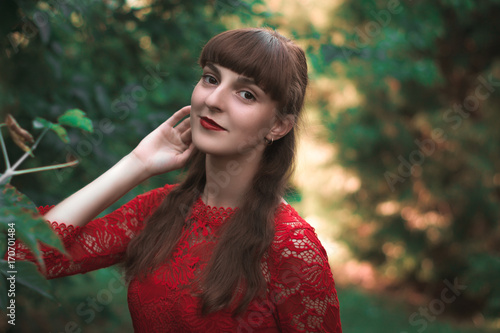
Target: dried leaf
x=19 y=134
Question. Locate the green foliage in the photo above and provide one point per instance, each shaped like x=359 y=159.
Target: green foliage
x=76 y=118
x=361 y=310
x=28 y=276
x=421 y=140
x=20 y=220
x=30 y=226
x=58 y=129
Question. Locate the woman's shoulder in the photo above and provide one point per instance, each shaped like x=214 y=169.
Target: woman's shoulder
x=288 y=221
x=148 y=201
x=292 y=232
x=159 y=192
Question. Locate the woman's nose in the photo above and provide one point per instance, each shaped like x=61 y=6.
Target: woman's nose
x=215 y=100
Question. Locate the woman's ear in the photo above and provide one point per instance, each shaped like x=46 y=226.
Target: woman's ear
x=281 y=127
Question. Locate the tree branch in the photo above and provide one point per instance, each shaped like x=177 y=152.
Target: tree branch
x=9 y=172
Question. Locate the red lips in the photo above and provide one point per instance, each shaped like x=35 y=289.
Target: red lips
x=209 y=124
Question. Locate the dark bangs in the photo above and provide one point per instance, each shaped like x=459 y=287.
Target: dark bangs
x=255 y=53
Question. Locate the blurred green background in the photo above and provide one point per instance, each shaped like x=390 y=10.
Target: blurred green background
x=398 y=169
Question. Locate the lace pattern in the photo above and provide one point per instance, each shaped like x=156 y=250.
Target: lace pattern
x=210 y=214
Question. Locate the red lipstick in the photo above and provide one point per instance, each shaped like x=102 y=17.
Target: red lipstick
x=209 y=124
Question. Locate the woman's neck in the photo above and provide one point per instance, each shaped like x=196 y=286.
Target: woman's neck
x=229 y=178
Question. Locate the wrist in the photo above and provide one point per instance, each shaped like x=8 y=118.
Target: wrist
x=135 y=168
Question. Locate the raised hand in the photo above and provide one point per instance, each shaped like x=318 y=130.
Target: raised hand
x=168 y=147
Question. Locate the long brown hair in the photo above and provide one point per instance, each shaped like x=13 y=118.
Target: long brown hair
x=279 y=67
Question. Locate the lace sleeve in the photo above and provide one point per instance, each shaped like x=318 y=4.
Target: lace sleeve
x=302 y=284
x=100 y=243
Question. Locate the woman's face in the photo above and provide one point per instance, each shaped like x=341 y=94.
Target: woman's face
x=230 y=114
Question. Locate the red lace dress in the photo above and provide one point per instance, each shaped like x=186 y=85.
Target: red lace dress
x=300 y=295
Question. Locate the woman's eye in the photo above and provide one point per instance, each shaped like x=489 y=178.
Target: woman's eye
x=209 y=79
x=247 y=95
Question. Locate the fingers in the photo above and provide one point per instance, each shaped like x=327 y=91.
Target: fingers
x=184 y=125
x=176 y=117
x=186 y=136
x=185 y=155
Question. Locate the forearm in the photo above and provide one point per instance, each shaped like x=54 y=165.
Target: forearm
x=84 y=205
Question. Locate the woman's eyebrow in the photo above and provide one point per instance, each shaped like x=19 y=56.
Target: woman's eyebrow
x=214 y=68
x=241 y=79
x=246 y=80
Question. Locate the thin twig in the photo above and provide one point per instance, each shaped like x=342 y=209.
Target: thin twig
x=28 y=153
x=49 y=167
x=4 y=150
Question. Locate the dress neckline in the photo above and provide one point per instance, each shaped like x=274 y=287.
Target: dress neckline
x=218 y=215
x=201 y=202
x=212 y=214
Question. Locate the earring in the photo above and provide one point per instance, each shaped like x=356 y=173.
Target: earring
x=269 y=142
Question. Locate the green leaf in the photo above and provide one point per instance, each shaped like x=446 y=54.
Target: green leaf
x=61 y=132
x=29 y=276
x=30 y=226
x=23 y=228
x=58 y=129
x=12 y=197
x=76 y=118
x=42 y=123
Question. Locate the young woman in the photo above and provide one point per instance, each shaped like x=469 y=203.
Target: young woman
x=221 y=251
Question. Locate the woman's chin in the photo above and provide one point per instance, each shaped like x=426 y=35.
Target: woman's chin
x=206 y=148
